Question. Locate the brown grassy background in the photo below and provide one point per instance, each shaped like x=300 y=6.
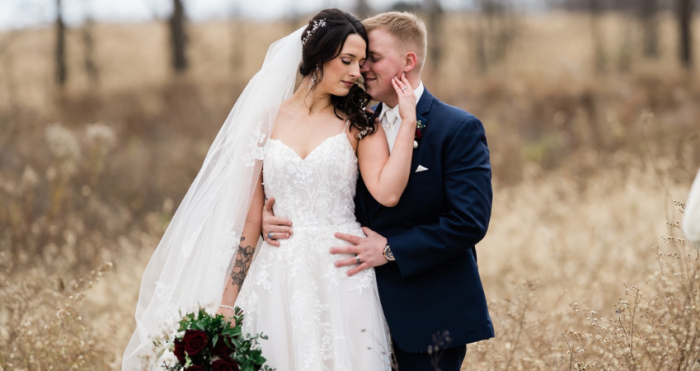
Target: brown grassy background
x=587 y=167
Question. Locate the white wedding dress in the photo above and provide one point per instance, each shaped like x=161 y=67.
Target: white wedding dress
x=317 y=318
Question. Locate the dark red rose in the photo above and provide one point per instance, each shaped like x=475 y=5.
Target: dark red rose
x=221 y=348
x=225 y=363
x=195 y=368
x=419 y=134
x=179 y=351
x=194 y=340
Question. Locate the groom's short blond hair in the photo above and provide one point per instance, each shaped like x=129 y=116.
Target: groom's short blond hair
x=406 y=28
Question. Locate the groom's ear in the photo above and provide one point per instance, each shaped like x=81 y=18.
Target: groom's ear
x=410 y=62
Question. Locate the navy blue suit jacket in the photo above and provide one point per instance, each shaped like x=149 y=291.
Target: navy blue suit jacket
x=434 y=285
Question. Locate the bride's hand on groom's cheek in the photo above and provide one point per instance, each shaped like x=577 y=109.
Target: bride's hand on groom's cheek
x=369 y=249
x=273 y=228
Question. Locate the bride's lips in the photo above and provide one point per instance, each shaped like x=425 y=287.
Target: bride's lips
x=348 y=84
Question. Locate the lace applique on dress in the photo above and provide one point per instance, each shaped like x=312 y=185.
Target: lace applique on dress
x=258 y=136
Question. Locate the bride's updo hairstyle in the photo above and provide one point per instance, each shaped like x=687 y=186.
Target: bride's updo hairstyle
x=323 y=40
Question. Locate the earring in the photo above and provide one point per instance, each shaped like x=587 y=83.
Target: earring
x=313 y=77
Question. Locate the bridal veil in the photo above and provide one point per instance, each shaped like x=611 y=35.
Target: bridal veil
x=190 y=266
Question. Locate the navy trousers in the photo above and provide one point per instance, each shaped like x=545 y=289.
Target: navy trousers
x=449 y=359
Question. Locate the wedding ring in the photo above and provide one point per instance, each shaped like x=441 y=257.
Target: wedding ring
x=269 y=236
x=357 y=259
x=404 y=88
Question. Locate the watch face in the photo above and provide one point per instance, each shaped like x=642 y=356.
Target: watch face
x=388 y=254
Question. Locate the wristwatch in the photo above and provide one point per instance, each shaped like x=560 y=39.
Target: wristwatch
x=388 y=255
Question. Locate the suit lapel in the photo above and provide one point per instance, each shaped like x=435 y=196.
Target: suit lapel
x=425 y=103
x=377 y=111
x=422 y=110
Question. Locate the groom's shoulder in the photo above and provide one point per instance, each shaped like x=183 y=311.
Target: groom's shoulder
x=454 y=117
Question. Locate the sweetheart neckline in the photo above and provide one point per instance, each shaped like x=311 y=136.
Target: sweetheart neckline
x=313 y=150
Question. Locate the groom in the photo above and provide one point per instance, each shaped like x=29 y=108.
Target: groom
x=423 y=248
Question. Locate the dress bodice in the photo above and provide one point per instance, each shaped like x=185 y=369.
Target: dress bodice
x=316 y=191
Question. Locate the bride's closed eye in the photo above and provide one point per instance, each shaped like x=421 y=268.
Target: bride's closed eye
x=349 y=62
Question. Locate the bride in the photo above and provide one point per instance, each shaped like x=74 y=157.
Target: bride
x=306 y=149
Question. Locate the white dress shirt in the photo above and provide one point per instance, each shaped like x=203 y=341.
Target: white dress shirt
x=391 y=119
x=691 y=217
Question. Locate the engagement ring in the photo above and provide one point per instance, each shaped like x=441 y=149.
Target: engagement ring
x=269 y=236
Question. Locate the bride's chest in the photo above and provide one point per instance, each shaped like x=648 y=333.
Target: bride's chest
x=329 y=165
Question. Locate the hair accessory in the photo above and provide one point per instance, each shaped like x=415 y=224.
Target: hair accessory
x=317 y=24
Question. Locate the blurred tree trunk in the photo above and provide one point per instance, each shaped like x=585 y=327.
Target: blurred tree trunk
x=7 y=62
x=60 y=50
x=648 y=12
x=484 y=30
x=89 y=52
x=435 y=15
x=685 y=19
x=506 y=29
x=238 y=39
x=482 y=60
x=624 y=61
x=178 y=37
x=362 y=9
x=599 y=60
x=495 y=33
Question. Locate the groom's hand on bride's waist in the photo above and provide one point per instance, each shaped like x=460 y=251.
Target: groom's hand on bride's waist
x=369 y=250
x=273 y=228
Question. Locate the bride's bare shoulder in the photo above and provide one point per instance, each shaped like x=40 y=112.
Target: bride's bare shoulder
x=285 y=111
x=286 y=103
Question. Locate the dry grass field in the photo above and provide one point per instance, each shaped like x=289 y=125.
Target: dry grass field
x=584 y=265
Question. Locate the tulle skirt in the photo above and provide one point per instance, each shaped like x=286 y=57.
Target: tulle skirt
x=316 y=318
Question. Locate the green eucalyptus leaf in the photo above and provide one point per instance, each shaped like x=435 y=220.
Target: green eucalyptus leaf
x=247 y=366
x=237 y=331
x=256 y=356
x=229 y=343
x=228 y=331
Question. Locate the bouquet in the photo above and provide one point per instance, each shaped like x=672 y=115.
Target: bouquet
x=209 y=343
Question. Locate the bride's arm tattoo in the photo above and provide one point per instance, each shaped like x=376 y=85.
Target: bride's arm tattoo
x=244 y=255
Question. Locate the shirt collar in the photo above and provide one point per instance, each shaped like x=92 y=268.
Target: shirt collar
x=417 y=91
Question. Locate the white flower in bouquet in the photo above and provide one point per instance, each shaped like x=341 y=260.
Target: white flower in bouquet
x=168 y=359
